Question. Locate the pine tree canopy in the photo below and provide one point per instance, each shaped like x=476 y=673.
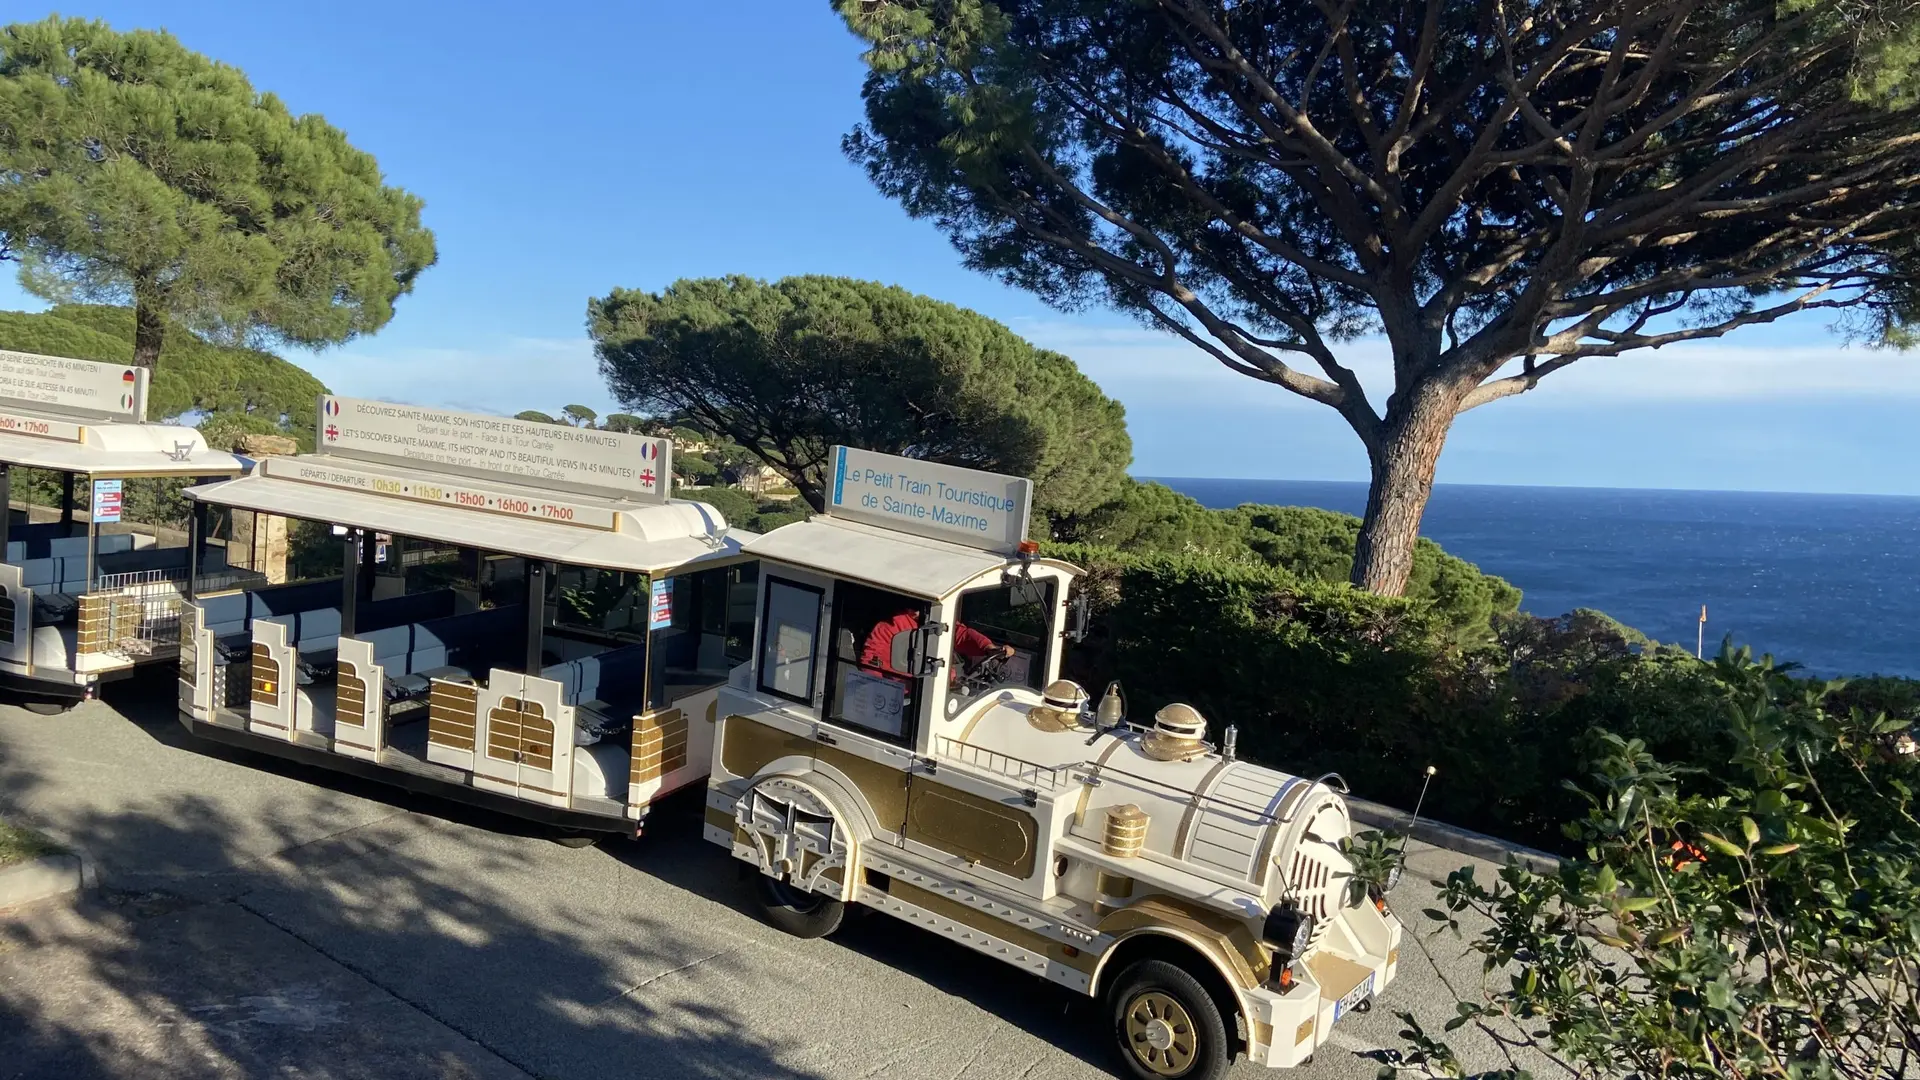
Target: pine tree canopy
x=791 y=368
x=135 y=171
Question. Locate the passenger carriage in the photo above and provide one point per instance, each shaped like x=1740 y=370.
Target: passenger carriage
x=511 y=613
x=96 y=566
x=902 y=740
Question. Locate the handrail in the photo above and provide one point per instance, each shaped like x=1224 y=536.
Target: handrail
x=1055 y=776
x=1094 y=773
x=1007 y=765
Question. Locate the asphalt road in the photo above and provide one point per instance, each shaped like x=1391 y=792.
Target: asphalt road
x=258 y=918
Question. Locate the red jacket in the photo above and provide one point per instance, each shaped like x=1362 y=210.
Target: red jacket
x=878 y=651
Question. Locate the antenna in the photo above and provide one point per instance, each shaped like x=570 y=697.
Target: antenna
x=1422 y=801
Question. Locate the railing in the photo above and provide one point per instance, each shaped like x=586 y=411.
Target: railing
x=1013 y=768
x=1083 y=772
x=1271 y=813
x=143 y=607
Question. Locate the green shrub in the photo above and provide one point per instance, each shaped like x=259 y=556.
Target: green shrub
x=1745 y=912
x=742 y=511
x=1318 y=544
x=1321 y=677
x=734 y=505
x=1309 y=543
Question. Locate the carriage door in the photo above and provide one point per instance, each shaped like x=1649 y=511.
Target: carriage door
x=526 y=748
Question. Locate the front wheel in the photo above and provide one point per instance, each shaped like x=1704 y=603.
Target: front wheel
x=1166 y=1026
x=798 y=912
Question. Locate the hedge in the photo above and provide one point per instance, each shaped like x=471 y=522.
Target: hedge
x=1321 y=677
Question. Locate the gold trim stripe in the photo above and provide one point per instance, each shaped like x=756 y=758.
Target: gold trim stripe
x=1018 y=936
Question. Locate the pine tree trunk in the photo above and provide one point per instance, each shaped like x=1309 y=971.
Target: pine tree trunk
x=1403 y=466
x=149 y=331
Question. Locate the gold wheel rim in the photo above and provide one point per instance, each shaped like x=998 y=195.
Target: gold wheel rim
x=1160 y=1035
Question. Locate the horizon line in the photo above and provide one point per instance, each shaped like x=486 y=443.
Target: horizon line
x=1548 y=487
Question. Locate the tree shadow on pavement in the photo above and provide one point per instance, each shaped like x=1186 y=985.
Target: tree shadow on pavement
x=416 y=895
x=675 y=852
x=287 y=932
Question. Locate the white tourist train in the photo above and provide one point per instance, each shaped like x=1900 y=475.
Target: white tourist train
x=518 y=614
x=511 y=613
x=902 y=740
x=95 y=566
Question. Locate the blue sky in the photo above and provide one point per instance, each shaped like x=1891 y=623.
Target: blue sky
x=575 y=148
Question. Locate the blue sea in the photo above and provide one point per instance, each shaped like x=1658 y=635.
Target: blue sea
x=1830 y=581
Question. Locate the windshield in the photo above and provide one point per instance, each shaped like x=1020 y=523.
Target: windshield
x=1002 y=634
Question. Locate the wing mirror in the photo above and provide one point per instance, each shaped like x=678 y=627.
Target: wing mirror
x=1079 y=615
x=919 y=660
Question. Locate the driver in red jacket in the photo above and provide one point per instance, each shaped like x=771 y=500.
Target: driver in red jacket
x=969 y=644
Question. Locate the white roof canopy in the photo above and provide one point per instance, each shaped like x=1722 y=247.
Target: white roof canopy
x=110 y=449
x=620 y=535
x=916 y=565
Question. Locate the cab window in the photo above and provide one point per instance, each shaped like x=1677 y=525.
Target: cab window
x=789 y=637
x=1015 y=618
x=872 y=683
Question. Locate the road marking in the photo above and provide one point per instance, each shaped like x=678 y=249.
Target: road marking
x=651 y=979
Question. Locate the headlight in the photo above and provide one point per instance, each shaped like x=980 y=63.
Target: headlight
x=1288 y=929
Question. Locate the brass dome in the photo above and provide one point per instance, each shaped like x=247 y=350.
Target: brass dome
x=1179 y=731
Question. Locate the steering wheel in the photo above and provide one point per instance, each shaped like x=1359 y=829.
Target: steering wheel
x=985 y=672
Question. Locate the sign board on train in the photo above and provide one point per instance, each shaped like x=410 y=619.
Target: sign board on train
x=59 y=385
x=456 y=491
x=106 y=501
x=547 y=456
x=943 y=502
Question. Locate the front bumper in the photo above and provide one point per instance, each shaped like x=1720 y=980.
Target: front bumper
x=1285 y=1028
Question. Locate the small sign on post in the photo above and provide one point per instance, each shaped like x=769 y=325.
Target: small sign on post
x=106 y=501
x=1700 y=640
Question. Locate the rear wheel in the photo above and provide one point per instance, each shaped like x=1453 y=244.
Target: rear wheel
x=576 y=840
x=1166 y=1026
x=798 y=912
x=48 y=708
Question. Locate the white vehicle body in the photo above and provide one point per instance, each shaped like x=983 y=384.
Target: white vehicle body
x=85 y=595
x=1019 y=834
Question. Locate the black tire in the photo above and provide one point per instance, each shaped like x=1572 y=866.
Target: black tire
x=1166 y=1026
x=48 y=708
x=800 y=913
x=576 y=840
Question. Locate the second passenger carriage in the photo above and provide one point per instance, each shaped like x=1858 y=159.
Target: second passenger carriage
x=511 y=612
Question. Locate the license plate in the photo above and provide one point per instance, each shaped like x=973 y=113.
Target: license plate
x=1354 y=997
